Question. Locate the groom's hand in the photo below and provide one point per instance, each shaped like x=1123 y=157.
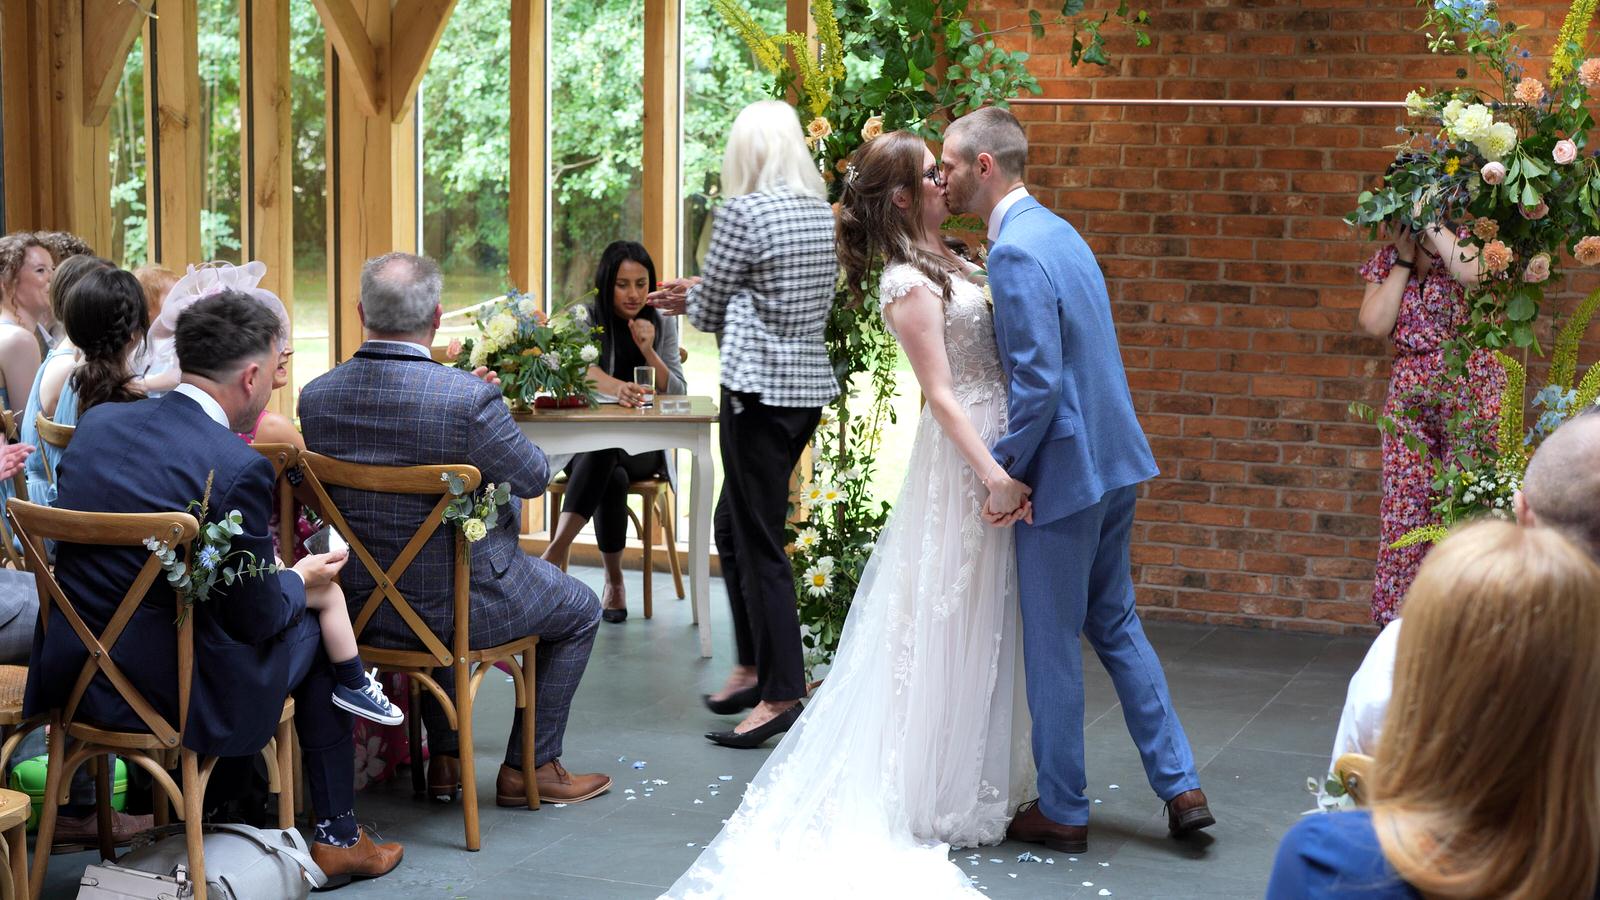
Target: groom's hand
x=995 y=519
x=1006 y=494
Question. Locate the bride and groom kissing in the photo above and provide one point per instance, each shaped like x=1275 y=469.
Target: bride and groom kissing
x=1009 y=540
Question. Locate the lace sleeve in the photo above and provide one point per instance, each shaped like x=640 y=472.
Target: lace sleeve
x=898 y=280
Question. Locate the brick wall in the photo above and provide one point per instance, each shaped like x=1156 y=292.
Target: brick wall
x=1234 y=282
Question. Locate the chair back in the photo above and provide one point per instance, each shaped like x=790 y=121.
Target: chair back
x=58 y=436
x=19 y=488
x=37 y=524
x=1354 y=771
x=285 y=458
x=318 y=471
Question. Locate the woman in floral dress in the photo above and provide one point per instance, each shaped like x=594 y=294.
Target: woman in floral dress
x=1417 y=296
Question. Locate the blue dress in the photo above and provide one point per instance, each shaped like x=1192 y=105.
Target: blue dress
x=41 y=488
x=1335 y=856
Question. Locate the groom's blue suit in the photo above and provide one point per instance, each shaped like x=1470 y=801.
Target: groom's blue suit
x=1074 y=439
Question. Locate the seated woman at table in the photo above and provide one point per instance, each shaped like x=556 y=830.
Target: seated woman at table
x=632 y=334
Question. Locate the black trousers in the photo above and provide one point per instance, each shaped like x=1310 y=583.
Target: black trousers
x=760 y=447
x=597 y=488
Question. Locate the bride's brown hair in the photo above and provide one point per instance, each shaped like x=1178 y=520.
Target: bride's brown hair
x=871 y=228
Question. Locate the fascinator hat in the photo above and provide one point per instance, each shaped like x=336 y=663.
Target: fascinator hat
x=200 y=282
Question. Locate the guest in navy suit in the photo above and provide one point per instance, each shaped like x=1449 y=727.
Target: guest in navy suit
x=1484 y=783
x=254 y=643
x=392 y=405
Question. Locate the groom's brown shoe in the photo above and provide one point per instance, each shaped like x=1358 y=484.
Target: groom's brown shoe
x=1188 y=812
x=1034 y=827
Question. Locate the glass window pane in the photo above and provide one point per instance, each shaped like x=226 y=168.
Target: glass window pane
x=465 y=106
x=220 y=123
x=596 y=136
x=308 y=127
x=129 y=219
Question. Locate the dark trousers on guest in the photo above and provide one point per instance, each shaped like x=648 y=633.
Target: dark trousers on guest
x=324 y=730
x=597 y=488
x=760 y=447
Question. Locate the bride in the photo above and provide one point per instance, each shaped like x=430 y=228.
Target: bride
x=918 y=739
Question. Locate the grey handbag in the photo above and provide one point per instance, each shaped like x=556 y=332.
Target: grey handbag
x=242 y=863
x=19 y=614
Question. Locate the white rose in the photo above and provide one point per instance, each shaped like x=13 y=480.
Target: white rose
x=1451 y=112
x=474 y=530
x=501 y=328
x=1416 y=105
x=527 y=307
x=589 y=353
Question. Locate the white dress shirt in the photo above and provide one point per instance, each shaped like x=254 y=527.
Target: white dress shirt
x=1003 y=207
x=207 y=403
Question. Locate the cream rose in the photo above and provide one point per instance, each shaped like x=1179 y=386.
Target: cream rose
x=818 y=130
x=1493 y=173
x=474 y=530
x=1564 y=152
x=1538 y=269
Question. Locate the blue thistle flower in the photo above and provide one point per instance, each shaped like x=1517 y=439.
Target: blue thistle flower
x=208 y=559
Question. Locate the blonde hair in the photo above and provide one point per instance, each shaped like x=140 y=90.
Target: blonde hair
x=767 y=150
x=1488 y=770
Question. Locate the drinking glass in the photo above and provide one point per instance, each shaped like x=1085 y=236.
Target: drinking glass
x=645 y=377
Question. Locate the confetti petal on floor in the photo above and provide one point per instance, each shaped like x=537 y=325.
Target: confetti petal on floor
x=1104 y=892
x=639 y=764
x=1115 y=786
x=724 y=777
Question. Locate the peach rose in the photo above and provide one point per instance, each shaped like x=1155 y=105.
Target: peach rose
x=1529 y=91
x=454 y=350
x=1589 y=72
x=1535 y=213
x=1538 y=269
x=1588 y=250
x=1564 y=152
x=1496 y=256
x=1493 y=173
x=818 y=130
x=872 y=130
x=1485 y=228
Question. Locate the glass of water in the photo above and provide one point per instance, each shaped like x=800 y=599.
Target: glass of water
x=645 y=377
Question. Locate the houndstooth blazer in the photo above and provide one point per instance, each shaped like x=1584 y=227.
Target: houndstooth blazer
x=766 y=290
x=395 y=411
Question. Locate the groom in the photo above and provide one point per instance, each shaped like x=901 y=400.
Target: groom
x=1074 y=440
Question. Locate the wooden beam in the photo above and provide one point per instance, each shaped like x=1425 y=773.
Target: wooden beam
x=797 y=15
x=80 y=176
x=25 y=88
x=108 y=35
x=418 y=25
x=358 y=56
x=267 y=147
x=663 y=95
x=530 y=145
x=172 y=144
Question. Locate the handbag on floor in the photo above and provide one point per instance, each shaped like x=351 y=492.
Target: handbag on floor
x=242 y=863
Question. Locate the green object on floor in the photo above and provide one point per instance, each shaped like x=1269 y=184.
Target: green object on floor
x=28 y=777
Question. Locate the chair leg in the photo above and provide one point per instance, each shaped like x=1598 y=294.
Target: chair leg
x=103 y=768
x=194 y=838
x=469 y=768
x=160 y=803
x=286 y=774
x=530 y=783
x=419 y=785
x=668 y=532
x=17 y=849
x=52 y=801
x=646 y=535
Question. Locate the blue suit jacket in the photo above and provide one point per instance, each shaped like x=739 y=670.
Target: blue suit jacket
x=404 y=409
x=153 y=456
x=1072 y=434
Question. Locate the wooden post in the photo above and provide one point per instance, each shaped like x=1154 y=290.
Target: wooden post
x=663 y=93
x=172 y=99
x=24 y=82
x=530 y=145
x=266 y=148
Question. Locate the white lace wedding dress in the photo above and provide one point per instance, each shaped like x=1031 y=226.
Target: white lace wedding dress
x=918 y=739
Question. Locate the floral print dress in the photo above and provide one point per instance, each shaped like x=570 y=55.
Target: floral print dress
x=1422 y=399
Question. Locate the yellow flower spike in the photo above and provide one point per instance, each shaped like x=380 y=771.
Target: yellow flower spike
x=1509 y=436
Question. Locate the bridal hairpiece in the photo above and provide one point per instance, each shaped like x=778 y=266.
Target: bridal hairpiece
x=850 y=173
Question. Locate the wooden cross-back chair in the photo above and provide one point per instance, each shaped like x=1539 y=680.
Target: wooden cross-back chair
x=72 y=742
x=468 y=667
x=57 y=436
x=19 y=488
x=284 y=458
x=1354 y=771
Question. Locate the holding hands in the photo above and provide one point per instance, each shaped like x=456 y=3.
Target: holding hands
x=1008 y=499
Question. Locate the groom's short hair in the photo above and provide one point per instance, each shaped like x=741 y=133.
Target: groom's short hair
x=993 y=131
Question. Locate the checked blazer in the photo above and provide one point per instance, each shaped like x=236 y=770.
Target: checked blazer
x=399 y=408
x=765 y=291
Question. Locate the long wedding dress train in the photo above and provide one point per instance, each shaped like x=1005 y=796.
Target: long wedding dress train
x=918 y=739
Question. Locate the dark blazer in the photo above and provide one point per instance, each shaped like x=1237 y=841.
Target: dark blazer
x=153 y=456
x=390 y=406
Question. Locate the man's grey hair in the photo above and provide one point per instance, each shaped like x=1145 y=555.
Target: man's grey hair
x=1562 y=484
x=993 y=131
x=399 y=292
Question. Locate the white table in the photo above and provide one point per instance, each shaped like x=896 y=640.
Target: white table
x=562 y=431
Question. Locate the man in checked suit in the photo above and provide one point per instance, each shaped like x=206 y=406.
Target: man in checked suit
x=392 y=405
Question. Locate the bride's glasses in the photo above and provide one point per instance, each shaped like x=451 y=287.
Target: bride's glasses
x=932 y=174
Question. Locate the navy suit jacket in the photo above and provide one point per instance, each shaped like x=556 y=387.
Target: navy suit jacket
x=403 y=409
x=153 y=456
x=1072 y=434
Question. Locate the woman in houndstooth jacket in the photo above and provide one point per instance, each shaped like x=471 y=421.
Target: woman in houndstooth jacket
x=766 y=292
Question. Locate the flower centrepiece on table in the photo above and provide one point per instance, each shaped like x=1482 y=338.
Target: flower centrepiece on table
x=1505 y=164
x=209 y=556
x=536 y=356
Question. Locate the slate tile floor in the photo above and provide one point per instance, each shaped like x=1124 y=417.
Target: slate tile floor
x=1259 y=707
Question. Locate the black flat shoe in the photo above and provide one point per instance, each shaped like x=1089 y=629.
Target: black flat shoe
x=759 y=735
x=614 y=615
x=736 y=702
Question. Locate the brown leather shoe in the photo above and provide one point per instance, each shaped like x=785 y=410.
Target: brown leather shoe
x=1188 y=812
x=75 y=831
x=557 y=785
x=444 y=778
x=509 y=788
x=1034 y=827
x=363 y=859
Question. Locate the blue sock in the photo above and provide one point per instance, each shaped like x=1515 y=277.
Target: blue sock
x=351 y=673
x=340 y=831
